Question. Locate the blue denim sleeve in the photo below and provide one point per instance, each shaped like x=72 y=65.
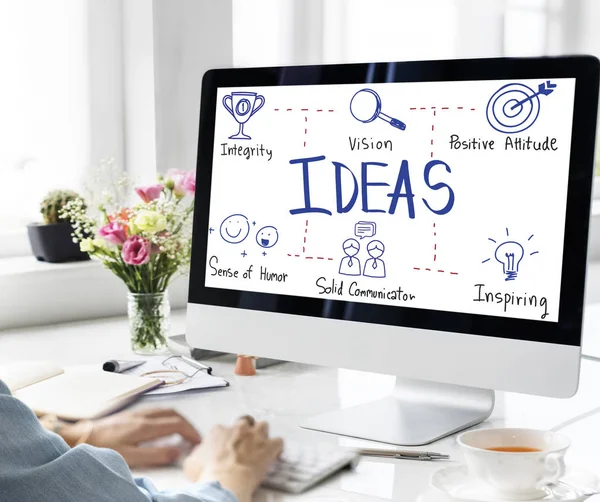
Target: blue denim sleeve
x=37 y=466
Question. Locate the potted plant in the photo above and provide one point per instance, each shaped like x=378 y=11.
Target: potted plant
x=52 y=240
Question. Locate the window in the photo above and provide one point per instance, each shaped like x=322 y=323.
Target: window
x=60 y=99
x=378 y=30
x=44 y=124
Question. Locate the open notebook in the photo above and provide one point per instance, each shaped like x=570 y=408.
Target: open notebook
x=80 y=392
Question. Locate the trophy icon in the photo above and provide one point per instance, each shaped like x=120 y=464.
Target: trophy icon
x=242 y=105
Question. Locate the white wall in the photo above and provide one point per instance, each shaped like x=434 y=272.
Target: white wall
x=138 y=89
x=190 y=37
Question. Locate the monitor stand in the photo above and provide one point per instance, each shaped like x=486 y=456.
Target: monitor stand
x=416 y=413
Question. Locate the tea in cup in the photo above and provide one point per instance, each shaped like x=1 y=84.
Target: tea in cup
x=515 y=464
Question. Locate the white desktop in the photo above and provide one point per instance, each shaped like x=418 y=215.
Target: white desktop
x=427 y=220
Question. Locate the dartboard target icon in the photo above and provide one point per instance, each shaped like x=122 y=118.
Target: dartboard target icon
x=515 y=107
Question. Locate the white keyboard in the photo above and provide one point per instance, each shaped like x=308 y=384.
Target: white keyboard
x=302 y=466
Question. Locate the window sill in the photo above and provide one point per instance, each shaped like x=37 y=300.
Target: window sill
x=28 y=264
x=36 y=293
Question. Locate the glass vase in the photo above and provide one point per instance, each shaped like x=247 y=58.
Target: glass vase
x=149 y=322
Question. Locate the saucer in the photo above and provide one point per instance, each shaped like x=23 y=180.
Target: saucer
x=456 y=483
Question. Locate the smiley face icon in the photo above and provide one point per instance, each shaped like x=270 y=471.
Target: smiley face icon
x=267 y=237
x=235 y=228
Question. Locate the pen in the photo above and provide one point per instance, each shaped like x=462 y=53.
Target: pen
x=197 y=365
x=404 y=455
x=117 y=366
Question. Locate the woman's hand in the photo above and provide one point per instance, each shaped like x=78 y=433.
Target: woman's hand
x=239 y=457
x=123 y=432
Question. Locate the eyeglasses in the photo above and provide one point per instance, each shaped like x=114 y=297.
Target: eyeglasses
x=175 y=365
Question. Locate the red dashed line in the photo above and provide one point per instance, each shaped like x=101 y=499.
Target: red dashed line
x=305 y=234
x=305 y=118
x=304 y=247
x=432 y=127
x=435 y=256
x=443 y=108
x=311 y=257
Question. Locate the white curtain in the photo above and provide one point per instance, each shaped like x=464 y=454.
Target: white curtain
x=278 y=32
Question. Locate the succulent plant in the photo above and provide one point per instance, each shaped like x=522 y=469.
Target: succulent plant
x=54 y=202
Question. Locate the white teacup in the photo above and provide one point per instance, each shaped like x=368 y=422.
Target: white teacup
x=515 y=475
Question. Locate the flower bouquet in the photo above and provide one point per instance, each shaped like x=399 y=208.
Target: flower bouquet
x=146 y=244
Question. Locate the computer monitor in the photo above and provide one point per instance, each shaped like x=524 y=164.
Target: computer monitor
x=422 y=219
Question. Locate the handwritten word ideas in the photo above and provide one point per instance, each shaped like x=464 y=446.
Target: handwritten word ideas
x=411 y=195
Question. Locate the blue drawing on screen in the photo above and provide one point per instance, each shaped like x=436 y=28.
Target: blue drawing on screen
x=350 y=265
x=365 y=106
x=509 y=253
x=241 y=106
x=364 y=229
x=235 y=228
x=515 y=107
x=375 y=266
x=267 y=237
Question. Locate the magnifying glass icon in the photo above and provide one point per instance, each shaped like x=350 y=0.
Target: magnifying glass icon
x=365 y=106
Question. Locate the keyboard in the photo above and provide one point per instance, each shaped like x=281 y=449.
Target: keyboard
x=302 y=466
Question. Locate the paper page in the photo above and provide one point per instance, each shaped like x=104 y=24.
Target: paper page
x=83 y=392
x=201 y=380
x=23 y=374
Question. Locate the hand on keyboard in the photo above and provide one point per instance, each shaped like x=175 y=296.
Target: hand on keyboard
x=238 y=457
x=302 y=466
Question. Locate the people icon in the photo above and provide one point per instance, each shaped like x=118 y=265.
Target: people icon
x=350 y=265
x=374 y=266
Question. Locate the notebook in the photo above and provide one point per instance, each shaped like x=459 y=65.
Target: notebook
x=199 y=381
x=74 y=393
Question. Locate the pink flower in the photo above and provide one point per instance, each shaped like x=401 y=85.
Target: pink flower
x=136 y=251
x=114 y=232
x=189 y=183
x=184 y=182
x=148 y=194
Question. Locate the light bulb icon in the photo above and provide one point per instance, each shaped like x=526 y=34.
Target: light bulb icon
x=510 y=254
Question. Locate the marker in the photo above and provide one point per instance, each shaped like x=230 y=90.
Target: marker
x=197 y=365
x=116 y=366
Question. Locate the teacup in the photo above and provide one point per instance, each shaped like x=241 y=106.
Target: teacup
x=515 y=464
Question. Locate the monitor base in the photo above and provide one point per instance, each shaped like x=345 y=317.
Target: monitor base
x=415 y=414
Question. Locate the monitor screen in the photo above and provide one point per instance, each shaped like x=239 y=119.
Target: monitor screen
x=445 y=195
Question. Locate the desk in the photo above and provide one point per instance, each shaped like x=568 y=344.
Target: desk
x=286 y=393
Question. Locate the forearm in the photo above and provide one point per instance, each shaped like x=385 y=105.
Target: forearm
x=73 y=433
x=237 y=479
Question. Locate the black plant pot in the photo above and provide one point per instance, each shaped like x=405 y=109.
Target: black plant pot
x=54 y=243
